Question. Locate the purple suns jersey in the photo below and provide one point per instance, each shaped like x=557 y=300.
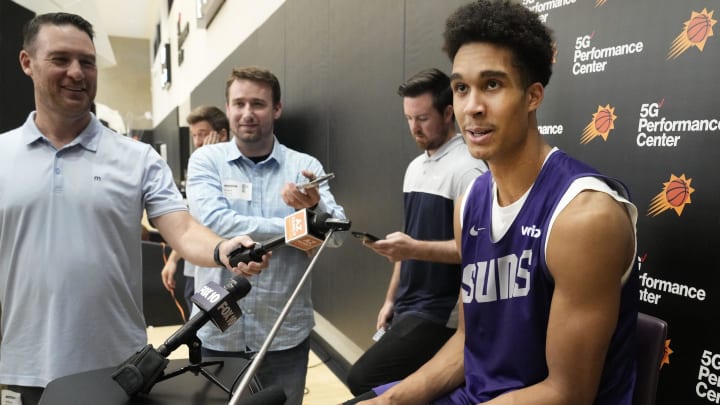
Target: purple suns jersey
x=507 y=290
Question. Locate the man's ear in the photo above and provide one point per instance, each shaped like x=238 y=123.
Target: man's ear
x=25 y=62
x=535 y=94
x=277 y=110
x=448 y=113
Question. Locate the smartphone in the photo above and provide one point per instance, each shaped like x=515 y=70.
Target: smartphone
x=379 y=334
x=316 y=181
x=367 y=237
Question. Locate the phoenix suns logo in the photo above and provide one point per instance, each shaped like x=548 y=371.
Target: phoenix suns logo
x=695 y=33
x=603 y=121
x=675 y=195
x=666 y=354
x=599 y=3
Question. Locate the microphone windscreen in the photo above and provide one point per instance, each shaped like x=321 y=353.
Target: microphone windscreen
x=271 y=395
x=318 y=222
x=238 y=287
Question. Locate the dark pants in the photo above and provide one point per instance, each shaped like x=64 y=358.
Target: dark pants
x=407 y=345
x=29 y=395
x=286 y=369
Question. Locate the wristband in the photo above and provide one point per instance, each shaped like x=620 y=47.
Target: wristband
x=216 y=254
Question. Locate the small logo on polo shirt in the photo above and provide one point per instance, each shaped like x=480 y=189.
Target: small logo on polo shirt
x=97 y=178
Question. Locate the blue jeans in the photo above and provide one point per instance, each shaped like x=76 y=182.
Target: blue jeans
x=286 y=369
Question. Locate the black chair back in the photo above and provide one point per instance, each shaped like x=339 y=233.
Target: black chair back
x=651 y=334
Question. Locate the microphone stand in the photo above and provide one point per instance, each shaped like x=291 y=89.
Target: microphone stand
x=235 y=400
x=197 y=366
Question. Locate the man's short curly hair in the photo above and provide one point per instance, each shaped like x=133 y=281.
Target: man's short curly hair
x=507 y=24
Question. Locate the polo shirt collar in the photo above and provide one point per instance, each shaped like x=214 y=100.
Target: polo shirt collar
x=444 y=149
x=88 y=137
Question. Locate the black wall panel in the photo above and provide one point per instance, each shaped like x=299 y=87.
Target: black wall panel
x=304 y=124
x=367 y=130
x=168 y=133
x=16 y=89
x=184 y=145
x=424 y=24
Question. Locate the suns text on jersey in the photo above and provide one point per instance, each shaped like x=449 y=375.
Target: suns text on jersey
x=502 y=278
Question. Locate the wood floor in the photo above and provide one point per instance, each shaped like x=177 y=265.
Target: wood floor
x=322 y=386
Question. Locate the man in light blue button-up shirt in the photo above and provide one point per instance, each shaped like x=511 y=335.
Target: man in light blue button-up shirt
x=248 y=186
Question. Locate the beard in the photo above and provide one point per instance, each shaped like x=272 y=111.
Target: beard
x=425 y=143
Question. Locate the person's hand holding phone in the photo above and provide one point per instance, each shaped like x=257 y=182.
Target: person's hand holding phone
x=395 y=247
x=300 y=197
x=366 y=237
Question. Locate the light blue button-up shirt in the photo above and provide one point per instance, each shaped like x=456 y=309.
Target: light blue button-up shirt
x=233 y=196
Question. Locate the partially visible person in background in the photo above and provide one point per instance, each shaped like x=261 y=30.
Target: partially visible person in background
x=208 y=125
x=72 y=193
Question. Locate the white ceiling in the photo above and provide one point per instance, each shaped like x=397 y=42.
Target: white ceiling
x=121 y=18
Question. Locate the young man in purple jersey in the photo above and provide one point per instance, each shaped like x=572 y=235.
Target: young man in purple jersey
x=549 y=284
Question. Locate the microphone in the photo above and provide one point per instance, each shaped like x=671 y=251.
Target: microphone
x=304 y=230
x=325 y=223
x=216 y=303
x=143 y=369
x=272 y=395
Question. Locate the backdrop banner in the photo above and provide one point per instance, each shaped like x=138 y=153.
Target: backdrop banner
x=631 y=94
